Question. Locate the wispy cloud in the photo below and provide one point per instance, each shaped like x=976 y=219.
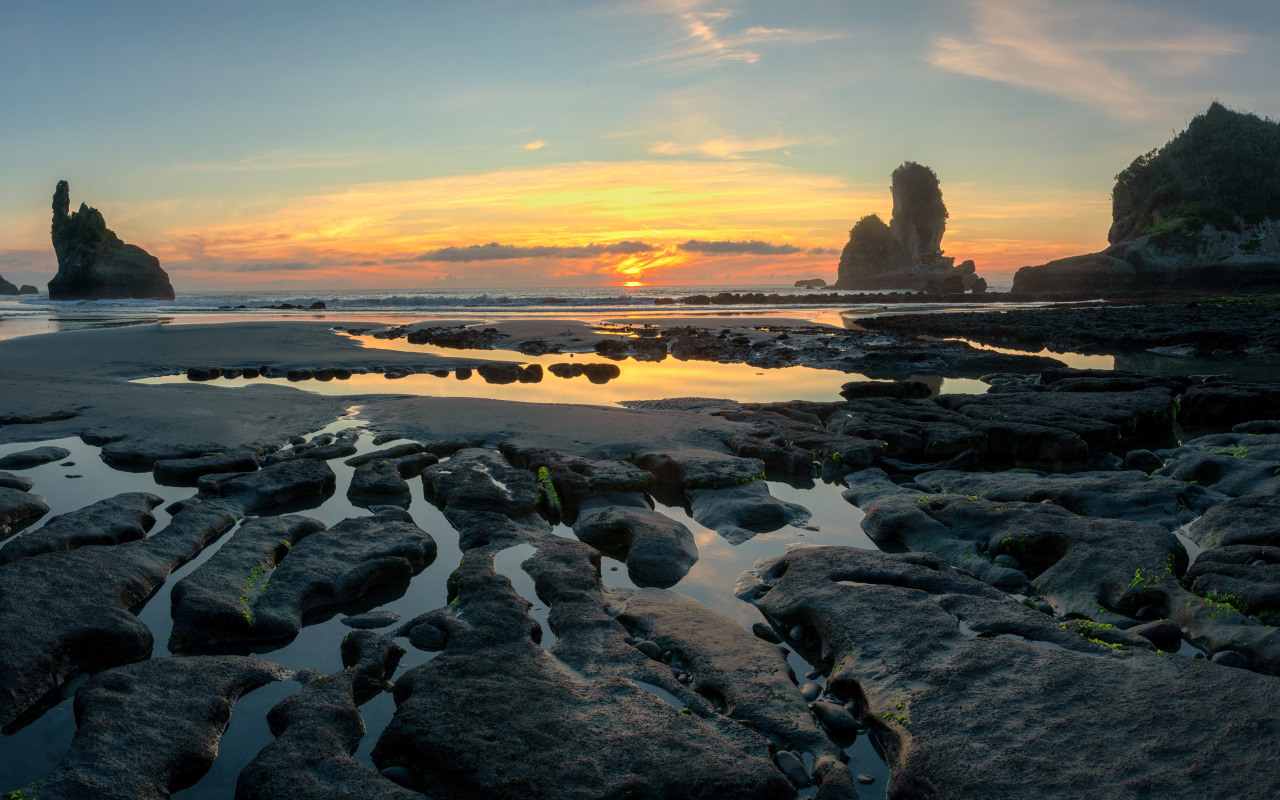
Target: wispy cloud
x=285 y=159
x=753 y=247
x=505 y=252
x=706 y=40
x=1065 y=49
x=725 y=146
x=536 y=144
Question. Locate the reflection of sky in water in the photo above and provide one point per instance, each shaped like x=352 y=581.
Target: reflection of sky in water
x=32 y=751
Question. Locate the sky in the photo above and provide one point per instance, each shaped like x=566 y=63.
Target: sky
x=529 y=143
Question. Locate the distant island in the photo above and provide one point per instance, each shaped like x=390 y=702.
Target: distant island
x=907 y=253
x=93 y=264
x=1200 y=213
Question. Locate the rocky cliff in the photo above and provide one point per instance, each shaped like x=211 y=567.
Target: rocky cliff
x=1200 y=213
x=906 y=253
x=93 y=264
x=6 y=287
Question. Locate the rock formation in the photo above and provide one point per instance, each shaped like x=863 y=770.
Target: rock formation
x=1200 y=213
x=93 y=264
x=906 y=253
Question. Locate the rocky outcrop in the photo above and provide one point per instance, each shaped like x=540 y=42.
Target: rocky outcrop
x=906 y=253
x=1200 y=213
x=7 y=288
x=93 y=264
x=28 y=289
x=811 y=283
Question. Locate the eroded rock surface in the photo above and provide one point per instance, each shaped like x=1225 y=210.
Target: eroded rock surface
x=123 y=518
x=658 y=550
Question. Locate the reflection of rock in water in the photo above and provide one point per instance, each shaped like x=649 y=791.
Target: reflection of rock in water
x=934 y=382
x=1245 y=369
x=462 y=373
x=596 y=373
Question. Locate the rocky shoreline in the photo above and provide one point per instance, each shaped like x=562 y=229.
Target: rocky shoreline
x=1076 y=569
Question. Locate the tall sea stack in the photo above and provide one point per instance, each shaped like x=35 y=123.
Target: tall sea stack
x=93 y=264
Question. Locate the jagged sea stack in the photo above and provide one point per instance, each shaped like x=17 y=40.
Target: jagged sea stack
x=93 y=264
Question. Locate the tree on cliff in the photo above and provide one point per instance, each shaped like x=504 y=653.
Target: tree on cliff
x=1222 y=170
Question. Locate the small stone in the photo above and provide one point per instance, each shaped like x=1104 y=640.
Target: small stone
x=651 y=649
x=373 y=619
x=810 y=692
x=813 y=674
x=1165 y=635
x=766 y=632
x=398 y=774
x=1008 y=561
x=835 y=719
x=388 y=686
x=792 y=767
x=1230 y=658
x=865 y=779
x=685 y=677
x=796 y=633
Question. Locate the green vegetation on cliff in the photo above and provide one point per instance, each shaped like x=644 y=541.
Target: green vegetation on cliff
x=1225 y=167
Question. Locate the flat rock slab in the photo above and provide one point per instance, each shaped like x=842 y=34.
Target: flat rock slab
x=318 y=729
x=18 y=509
x=951 y=671
x=740 y=512
x=27 y=459
x=1236 y=464
x=259 y=585
x=476 y=479
x=572 y=738
x=297 y=481
x=186 y=471
x=658 y=550
x=700 y=469
x=123 y=518
x=148 y=729
x=68 y=612
x=1130 y=495
x=20 y=482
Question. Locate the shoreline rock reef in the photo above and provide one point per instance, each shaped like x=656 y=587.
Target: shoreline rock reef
x=1033 y=615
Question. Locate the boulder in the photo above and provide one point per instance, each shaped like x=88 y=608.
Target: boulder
x=26 y=459
x=93 y=264
x=186 y=471
x=740 y=512
x=123 y=518
x=481 y=480
x=19 y=509
x=7 y=288
x=700 y=469
x=294 y=481
x=20 y=482
x=28 y=289
x=658 y=550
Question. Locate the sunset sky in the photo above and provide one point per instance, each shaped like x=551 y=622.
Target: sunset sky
x=556 y=143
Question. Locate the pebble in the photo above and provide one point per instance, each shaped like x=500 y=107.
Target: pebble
x=766 y=632
x=813 y=674
x=388 y=686
x=796 y=633
x=398 y=774
x=684 y=677
x=651 y=649
x=835 y=719
x=1006 y=560
x=1230 y=658
x=1258 y=563
x=792 y=767
x=810 y=692
x=373 y=619
x=864 y=778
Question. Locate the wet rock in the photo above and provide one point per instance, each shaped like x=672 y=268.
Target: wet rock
x=146 y=730
x=26 y=459
x=792 y=767
x=1230 y=658
x=123 y=518
x=953 y=706
x=295 y=481
x=810 y=691
x=318 y=729
x=185 y=471
x=1249 y=520
x=483 y=528
x=481 y=480
x=1222 y=405
x=763 y=631
x=378 y=482
x=372 y=619
x=1164 y=635
x=700 y=469
x=131 y=453
x=82 y=620
x=608 y=735
x=20 y=482
x=19 y=509
x=1232 y=463
x=1128 y=495
x=835 y=719
x=294 y=566
x=386 y=454
x=650 y=649
x=740 y=512
x=499 y=373
x=895 y=389
x=1143 y=461
x=577 y=479
x=658 y=550
x=601 y=373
